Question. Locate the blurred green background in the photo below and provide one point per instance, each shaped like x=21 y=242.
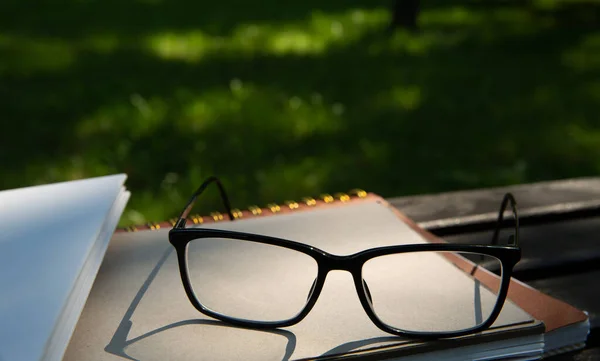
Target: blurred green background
x=288 y=99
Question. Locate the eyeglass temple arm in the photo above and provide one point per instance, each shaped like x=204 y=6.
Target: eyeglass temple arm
x=186 y=211
x=514 y=239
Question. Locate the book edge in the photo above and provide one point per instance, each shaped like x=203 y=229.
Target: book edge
x=84 y=281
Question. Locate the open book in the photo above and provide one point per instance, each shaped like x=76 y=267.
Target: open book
x=138 y=310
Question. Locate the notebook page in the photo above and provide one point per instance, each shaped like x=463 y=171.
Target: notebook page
x=138 y=308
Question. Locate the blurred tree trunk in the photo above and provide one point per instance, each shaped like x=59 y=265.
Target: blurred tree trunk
x=405 y=14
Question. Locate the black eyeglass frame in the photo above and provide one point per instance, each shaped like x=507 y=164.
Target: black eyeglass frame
x=509 y=255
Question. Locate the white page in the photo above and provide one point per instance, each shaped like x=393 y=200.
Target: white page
x=47 y=234
x=65 y=326
x=138 y=309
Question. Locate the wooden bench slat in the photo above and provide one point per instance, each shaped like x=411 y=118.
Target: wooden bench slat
x=559 y=248
x=474 y=210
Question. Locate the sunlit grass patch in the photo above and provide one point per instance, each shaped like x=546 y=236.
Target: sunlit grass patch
x=245 y=106
x=484 y=23
x=30 y=55
x=314 y=35
x=134 y=116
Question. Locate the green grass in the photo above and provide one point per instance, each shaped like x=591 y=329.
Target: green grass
x=283 y=101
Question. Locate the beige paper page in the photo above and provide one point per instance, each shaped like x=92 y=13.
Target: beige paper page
x=138 y=309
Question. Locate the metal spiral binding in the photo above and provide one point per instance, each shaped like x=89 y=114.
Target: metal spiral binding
x=258 y=211
x=292 y=204
x=342 y=197
x=327 y=198
x=237 y=213
x=358 y=193
x=309 y=201
x=197 y=219
x=153 y=226
x=217 y=216
x=274 y=207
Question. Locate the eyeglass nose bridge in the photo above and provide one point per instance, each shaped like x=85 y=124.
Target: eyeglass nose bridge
x=334 y=262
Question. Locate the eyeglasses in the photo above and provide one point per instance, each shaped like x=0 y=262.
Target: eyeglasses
x=263 y=282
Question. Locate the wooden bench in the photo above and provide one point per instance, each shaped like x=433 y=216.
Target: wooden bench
x=560 y=237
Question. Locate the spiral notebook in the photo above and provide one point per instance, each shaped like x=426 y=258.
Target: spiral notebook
x=138 y=310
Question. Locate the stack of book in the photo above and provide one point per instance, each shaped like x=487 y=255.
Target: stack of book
x=138 y=309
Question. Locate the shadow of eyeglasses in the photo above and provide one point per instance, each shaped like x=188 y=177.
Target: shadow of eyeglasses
x=119 y=341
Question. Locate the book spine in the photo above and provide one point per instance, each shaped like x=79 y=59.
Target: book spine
x=253 y=211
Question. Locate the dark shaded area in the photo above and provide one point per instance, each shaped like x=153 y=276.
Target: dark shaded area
x=405 y=14
x=480 y=96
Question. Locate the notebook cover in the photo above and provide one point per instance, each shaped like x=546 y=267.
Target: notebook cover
x=131 y=249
